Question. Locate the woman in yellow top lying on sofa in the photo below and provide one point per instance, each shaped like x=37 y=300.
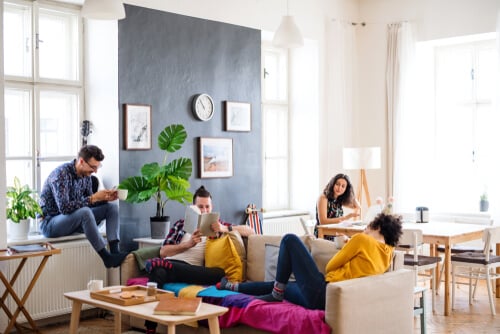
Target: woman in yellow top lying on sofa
x=367 y=253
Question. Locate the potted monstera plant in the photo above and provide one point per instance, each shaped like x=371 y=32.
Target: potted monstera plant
x=21 y=206
x=162 y=181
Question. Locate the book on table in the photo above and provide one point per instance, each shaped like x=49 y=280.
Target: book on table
x=177 y=305
x=194 y=219
x=27 y=248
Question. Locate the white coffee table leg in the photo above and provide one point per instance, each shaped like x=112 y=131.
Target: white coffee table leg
x=213 y=325
x=75 y=317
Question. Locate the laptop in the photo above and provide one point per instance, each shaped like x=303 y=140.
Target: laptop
x=369 y=215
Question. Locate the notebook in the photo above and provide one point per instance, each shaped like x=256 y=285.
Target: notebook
x=178 y=306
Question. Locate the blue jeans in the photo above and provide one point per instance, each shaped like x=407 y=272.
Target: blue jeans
x=308 y=290
x=85 y=220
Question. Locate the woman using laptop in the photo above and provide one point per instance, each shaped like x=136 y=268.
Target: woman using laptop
x=337 y=194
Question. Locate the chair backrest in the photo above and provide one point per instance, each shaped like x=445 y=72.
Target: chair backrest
x=412 y=240
x=491 y=236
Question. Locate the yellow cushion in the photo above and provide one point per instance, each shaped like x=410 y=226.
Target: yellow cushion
x=222 y=253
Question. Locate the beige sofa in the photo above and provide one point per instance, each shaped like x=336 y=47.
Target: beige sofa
x=375 y=304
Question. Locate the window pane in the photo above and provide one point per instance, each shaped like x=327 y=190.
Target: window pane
x=18 y=122
x=276 y=131
x=58 y=121
x=486 y=74
x=58 y=46
x=21 y=169
x=275 y=75
x=17 y=40
x=275 y=184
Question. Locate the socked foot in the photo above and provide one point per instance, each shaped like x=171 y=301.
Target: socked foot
x=114 y=260
x=268 y=298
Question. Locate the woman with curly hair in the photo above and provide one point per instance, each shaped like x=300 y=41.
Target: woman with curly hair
x=337 y=194
x=367 y=253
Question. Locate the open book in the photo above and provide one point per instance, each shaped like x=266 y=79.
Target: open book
x=194 y=219
x=177 y=305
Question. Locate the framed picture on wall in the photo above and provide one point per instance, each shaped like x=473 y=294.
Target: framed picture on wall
x=215 y=157
x=238 y=116
x=137 y=126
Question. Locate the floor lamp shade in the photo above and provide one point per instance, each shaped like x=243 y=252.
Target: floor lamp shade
x=288 y=34
x=362 y=158
x=103 y=9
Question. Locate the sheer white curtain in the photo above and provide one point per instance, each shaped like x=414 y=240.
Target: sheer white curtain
x=399 y=80
x=340 y=105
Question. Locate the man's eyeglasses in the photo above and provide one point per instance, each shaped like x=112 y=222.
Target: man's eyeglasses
x=94 y=168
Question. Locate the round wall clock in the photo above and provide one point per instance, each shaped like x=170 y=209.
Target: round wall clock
x=203 y=107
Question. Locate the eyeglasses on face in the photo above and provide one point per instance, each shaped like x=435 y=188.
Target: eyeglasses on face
x=93 y=167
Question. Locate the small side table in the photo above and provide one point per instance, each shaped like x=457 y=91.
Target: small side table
x=148 y=242
x=6 y=255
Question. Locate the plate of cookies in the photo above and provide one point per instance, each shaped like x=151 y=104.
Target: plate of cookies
x=127 y=295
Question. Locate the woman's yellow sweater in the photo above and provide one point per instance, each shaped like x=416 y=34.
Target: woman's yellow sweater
x=362 y=256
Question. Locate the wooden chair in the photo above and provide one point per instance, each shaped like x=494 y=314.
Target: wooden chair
x=465 y=247
x=478 y=266
x=411 y=242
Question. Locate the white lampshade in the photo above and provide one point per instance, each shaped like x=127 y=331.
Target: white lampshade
x=103 y=9
x=361 y=158
x=288 y=34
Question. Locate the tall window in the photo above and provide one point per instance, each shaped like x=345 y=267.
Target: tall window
x=451 y=155
x=275 y=128
x=43 y=87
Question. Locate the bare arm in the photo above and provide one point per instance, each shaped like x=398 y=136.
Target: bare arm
x=171 y=250
x=243 y=230
x=322 y=212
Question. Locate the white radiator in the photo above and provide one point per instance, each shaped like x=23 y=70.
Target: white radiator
x=283 y=222
x=68 y=271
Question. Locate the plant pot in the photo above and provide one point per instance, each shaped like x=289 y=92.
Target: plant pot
x=19 y=231
x=484 y=205
x=159 y=227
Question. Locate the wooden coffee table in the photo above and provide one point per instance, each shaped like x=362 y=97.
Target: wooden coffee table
x=143 y=311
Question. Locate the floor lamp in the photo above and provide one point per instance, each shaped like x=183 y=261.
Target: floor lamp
x=362 y=158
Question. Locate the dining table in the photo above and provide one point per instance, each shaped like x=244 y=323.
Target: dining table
x=434 y=233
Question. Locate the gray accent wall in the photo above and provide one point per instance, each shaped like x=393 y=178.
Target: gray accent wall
x=165 y=59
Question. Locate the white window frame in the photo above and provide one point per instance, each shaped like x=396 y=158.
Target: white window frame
x=35 y=84
x=281 y=103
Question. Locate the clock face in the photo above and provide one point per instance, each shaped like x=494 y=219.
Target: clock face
x=203 y=107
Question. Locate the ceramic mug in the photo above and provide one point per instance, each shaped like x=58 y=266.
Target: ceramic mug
x=95 y=284
x=122 y=194
x=340 y=241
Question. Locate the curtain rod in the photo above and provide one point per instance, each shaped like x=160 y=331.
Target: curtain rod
x=351 y=23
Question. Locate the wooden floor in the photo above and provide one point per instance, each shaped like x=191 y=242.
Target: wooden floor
x=465 y=318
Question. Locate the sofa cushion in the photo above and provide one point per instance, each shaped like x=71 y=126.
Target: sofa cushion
x=222 y=253
x=256 y=252
x=271 y=263
x=239 y=245
x=322 y=251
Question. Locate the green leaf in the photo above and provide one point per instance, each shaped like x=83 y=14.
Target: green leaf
x=172 y=138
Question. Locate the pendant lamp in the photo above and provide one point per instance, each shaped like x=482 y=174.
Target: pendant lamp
x=288 y=34
x=103 y=9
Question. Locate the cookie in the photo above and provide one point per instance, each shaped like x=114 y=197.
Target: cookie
x=126 y=294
